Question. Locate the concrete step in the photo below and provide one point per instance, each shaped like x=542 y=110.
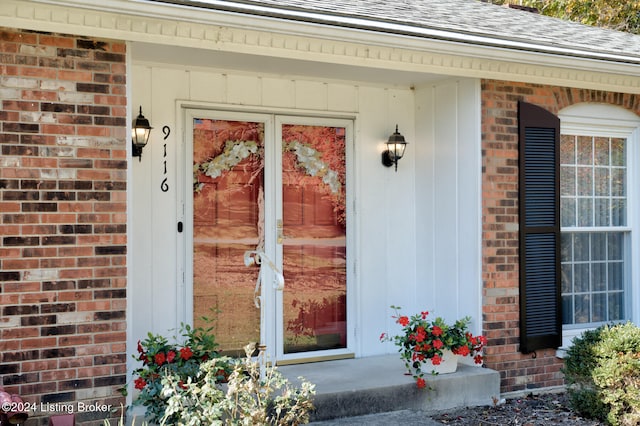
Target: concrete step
x=355 y=387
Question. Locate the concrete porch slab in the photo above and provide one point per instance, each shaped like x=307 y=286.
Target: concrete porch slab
x=354 y=387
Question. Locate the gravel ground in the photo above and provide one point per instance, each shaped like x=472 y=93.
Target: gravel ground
x=531 y=410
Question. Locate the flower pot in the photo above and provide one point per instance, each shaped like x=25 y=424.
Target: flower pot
x=449 y=363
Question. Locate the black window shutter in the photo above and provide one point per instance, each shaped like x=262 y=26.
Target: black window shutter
x=539 y=207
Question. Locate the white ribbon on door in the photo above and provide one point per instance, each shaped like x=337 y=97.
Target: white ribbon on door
x=258 y=257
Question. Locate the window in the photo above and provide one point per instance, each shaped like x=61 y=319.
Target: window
x=598 y=150
x=578 y=221
x=595 y=232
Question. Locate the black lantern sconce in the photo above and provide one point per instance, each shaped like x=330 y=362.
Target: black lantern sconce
x=140 y=134
x=395 y=149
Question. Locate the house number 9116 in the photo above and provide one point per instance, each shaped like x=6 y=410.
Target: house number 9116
x=164 y=186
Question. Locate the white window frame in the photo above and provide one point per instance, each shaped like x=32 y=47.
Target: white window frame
x=603 y=120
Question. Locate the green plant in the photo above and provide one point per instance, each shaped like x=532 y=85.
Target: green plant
x=618 y=373
x=584 y=396
x=602 y=369
x=251 y=396
x=421 y=342
x=161 y=358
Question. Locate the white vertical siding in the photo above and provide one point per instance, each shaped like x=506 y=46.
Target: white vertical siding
x=371 y=298
x=140 y=285
x=384 y=203
x=342 y=97
x=445 y=201
x=311 y=95
x=156 y=299
x=244 y=90
x=425 y=153
x=207 y=86
x=469 y=215
x=448 y=199
x=416 y=230
x=278 y=92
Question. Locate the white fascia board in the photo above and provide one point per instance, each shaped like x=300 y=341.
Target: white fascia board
x=355 y=30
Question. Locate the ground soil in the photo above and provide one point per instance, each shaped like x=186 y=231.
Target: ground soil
x=530 y=410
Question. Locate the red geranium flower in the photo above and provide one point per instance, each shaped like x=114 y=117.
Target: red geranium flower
x=421 y=340
x=463 y=350
x=140 y=383
x=186 y=353
x=436 y=360
x=171 y=355
x=160 y=358
x=140 y=348
x=421 y=383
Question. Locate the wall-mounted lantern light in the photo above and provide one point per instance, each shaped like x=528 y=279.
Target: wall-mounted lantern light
x=395 y=149
x=140 y=134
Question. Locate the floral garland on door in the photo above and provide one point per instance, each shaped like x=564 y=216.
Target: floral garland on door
x=307 y=158
x=232 y=154
x=310 y=161
x=236 y=151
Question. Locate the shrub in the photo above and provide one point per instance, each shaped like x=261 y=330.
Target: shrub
x=618 y=373
x=584 y=396
x=602 y=369
x=161 y=358
x=250 y=397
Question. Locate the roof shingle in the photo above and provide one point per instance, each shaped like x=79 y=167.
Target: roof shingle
x=457 y=18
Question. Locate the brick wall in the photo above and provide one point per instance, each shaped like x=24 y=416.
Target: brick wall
x=500 y=225
x=63 y=219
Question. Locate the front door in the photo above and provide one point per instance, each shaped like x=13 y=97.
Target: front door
x=275 y=185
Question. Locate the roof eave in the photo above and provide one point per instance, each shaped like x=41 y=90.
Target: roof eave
x=394 y=28
x=442 y=52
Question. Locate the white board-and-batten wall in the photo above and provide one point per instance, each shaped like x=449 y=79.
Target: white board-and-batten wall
x=416 y=231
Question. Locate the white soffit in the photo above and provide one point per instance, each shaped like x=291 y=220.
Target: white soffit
x=223 y=61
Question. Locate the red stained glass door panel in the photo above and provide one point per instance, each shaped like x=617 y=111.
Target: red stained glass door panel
x=228 y=202
x=313 y=238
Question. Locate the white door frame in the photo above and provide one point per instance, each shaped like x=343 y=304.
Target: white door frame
x=347 y=124
x=272 y=331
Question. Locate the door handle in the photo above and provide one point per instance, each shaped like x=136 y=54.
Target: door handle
x=279 y=232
